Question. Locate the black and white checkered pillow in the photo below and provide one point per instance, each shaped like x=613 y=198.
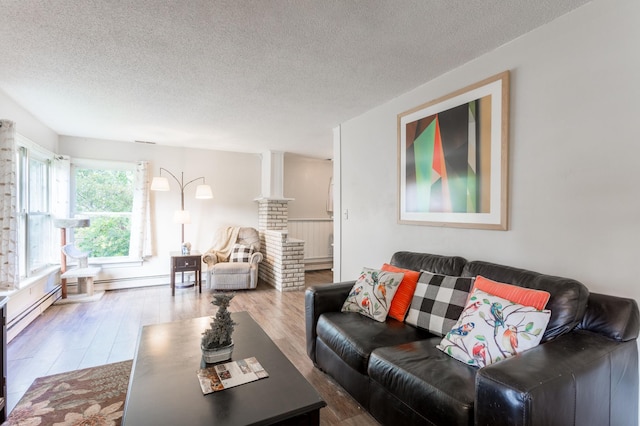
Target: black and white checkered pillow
x=241 y=253
x=438 y=302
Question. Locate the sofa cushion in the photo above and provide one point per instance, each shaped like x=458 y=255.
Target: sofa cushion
x=372 y=293
x=438 y=302
x=232 y=268
x=249 y=237
x=433 y=384
x=402 y=299
x=445 y=265
x=353 y=336
x=241 y=253
x=492 y=329
x=567 y=303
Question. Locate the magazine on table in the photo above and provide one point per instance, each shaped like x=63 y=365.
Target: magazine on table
x=234 y=373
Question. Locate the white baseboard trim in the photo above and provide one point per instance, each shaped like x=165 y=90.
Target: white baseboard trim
x=318 y=263
x=135 y=282
x=26 y=317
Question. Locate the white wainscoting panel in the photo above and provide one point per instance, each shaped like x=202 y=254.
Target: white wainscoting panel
x=317 y=235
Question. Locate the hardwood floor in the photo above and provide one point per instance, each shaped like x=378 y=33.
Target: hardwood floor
x=74 y=336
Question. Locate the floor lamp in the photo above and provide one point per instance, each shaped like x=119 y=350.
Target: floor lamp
x=203 y=192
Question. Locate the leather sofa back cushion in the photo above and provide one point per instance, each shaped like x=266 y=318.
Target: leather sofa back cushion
x=567 y=303
x=614 y=317
x=444 y=265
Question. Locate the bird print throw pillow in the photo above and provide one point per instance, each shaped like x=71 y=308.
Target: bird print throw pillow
x=372 y=293
x=491 y=329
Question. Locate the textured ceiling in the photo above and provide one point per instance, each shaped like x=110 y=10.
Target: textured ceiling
x=239 y=75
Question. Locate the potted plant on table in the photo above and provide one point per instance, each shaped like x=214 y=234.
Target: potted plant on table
x=217 y=344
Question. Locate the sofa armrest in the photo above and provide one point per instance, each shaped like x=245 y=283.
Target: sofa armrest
x=579 y=378
x=256 y=257
x=318 y=300
x=210 y=258
x=614 y=317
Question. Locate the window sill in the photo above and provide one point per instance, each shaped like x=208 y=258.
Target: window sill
x=115 y=262
x=26 y=282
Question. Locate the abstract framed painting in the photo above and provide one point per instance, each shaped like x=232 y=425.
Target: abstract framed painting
x=453 y=158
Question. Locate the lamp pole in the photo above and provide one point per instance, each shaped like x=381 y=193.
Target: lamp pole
x=182 y=186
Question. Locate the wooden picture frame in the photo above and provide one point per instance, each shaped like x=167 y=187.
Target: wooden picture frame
x=453 y=158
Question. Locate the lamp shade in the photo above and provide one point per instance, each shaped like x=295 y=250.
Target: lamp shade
x=203 y=192
x=160 y=184
x=182 y=216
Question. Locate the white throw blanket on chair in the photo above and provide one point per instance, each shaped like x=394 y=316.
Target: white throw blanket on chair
x=224 y=243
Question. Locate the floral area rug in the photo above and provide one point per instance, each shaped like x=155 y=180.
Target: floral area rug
x=92 y=396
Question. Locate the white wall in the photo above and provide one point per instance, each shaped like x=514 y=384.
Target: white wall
x=234 y=179
x=306 y=180
x=26 y=124
x=574 y=150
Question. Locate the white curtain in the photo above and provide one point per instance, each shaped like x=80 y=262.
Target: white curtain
x=61 y=186
x=140 y=242
x=9 y=273
x=60 y=198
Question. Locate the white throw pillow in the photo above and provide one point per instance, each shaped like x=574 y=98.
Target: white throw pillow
x=491 y=329
x=372 y=293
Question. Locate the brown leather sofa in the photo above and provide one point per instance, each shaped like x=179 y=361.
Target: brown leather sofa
x=584 y=372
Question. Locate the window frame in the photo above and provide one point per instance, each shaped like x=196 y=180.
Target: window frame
x=84 y=163
x=26 y=151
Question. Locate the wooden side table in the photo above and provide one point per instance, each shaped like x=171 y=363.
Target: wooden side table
x=186 y=263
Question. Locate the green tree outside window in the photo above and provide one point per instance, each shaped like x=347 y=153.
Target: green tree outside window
x=106 y=197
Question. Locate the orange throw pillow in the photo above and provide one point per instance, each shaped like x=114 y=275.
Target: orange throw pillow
x=402 y=299
x=521 y=295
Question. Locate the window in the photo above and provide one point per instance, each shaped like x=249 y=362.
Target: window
x=34 y=209
x=103 y=192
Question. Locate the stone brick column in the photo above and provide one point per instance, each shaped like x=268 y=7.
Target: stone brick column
x=273 y=214
x=283 y=263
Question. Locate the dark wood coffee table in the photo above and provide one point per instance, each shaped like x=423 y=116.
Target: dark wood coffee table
x=164 y=388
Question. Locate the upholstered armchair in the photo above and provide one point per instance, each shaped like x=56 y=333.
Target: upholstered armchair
x=232 y=262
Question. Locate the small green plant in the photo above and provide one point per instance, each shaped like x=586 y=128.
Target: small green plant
x=221 y=327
